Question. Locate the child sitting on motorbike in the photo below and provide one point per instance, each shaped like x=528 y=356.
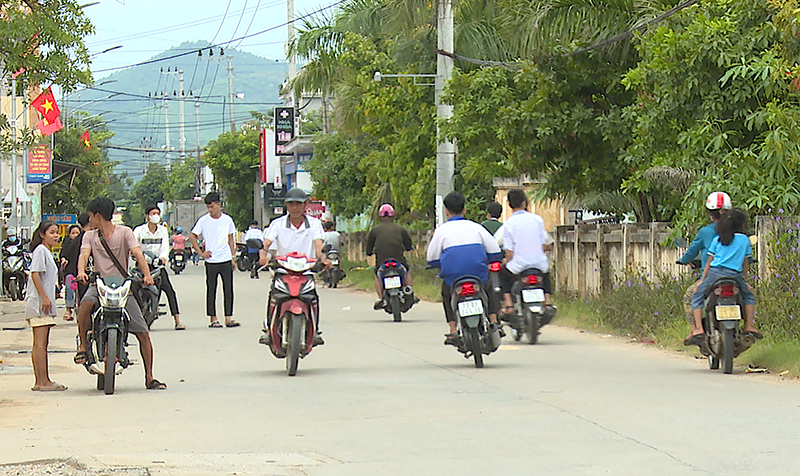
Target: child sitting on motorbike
x=729 y=257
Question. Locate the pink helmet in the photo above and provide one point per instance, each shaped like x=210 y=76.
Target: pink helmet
x=718 y=201
x=386 y=210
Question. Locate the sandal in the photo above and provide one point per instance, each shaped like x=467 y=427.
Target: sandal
x=232 y=323
x=215 y=325
x=695 y=339
x=56 y=387
x=81 y=357
x=68 y=318
x=508 y=310
x=180 y=327
x=156 y=385
x=452 y=339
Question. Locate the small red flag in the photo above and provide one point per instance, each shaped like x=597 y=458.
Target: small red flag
x=48 y=128
x=45 y=103
x=20 y=71
x=86 y=141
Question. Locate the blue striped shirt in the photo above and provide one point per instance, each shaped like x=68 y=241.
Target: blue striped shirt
x=461 y=247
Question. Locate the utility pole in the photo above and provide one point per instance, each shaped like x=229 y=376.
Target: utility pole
x=445 y=149
x=181 y=96
x=169 y=148
x=183 y=136
x=14 y=154
x=198 y=174
x=231 y=96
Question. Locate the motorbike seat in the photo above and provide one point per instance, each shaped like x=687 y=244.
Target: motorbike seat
x=530 y=271
x=719 y=282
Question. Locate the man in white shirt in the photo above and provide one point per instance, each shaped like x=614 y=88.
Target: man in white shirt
x=253 y=233
x=218 y=231
x=154 y=237
x=525 y=241
x=296 y=232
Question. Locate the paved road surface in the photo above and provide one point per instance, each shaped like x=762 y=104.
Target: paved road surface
x=382 y=398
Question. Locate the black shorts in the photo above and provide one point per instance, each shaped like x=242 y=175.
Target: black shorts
x=507 y=279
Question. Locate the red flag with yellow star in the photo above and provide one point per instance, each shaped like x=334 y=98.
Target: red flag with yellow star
x=86 y=142
x=48 y=128
x=45 y=103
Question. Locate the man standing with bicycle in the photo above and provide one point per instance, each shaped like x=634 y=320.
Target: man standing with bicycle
x=110 y=246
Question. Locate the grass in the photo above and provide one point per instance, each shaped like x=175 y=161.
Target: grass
x=426 y=286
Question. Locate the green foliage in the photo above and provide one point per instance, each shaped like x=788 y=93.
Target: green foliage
x=233 y=157
x=148 y=190
x=337 y=173
x=181 y=181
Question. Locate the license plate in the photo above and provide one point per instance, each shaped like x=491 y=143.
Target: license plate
x=391 y=282
x=473 y=307
x=334 y=262
x=533 y=295
x=728 y=313
x=178 y=258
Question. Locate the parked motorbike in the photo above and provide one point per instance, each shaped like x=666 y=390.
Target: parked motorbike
x=530 y=313
x=725 y=338
x=470 y=303
x=398 y=296
x=150 y=296
x=243 y=258
x=331 y=277
x=292 y=310
x=16 y=263
x=177 y=261
x=109 y=331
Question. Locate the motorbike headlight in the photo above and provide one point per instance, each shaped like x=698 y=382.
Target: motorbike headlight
x=113 y=298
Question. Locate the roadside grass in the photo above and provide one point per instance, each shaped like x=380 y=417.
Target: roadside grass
x=426 y=286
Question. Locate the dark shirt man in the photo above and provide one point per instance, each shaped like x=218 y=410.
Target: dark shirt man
x=492 y=222
x=386 y=241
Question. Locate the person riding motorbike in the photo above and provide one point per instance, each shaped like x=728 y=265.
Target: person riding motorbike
x=253 y=233
x=294 y=232
x=461 y=247
x=154 y=237
x=716 y=203
x=178 y=243
x=387 y=241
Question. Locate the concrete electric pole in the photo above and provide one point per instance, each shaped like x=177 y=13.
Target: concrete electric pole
x=445 y=149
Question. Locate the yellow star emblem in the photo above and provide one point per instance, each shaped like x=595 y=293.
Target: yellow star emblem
x=47 y=106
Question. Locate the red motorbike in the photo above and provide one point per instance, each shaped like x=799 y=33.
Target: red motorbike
x=293 y=309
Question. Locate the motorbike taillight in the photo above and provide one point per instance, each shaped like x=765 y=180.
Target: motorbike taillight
x=726 y=290
x=467 y=289
x=391 y=264
x=495 y=267
x=532 y=279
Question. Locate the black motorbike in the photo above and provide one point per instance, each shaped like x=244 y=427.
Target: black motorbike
x=16 y=263
x=470 y=303
x=725 y=338
x=397 y=296
x=109 y=331
x=150 y=296
x=177 y=261
x=243 y=258
x=530 y=312
x=331 y=277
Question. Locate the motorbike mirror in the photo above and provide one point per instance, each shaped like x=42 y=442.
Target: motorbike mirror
x=255 y=244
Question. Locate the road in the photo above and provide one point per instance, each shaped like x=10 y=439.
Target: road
x=385 y=398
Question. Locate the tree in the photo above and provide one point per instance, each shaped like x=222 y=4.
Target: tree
x=148 y=190
x=233 y=157
x=338 y=175
x=180 y=183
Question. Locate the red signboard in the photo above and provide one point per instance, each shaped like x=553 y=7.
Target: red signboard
x=315 y=209
x=40 y=166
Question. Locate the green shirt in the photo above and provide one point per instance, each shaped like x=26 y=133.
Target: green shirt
x=492 y=224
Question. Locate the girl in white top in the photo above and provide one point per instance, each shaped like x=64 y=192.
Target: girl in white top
x=40 y=296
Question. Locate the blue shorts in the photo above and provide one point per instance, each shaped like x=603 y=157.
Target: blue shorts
x=714 y=274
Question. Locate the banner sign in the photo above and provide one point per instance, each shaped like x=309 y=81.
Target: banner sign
x=40 y=166
x=63 y=221
x=262 y=156
x=284 y=129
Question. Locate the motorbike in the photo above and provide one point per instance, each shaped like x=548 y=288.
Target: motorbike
x=150 y=296
x=109 y=331
x=243 y=258
x=725 y=338
x=530 y=313
x=331 y=277
x=470 y=302
x=398 y=296
x=16 y=263
x=292 y=309
x=177 y=261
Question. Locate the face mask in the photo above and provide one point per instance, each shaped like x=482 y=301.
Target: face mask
x=155 y=219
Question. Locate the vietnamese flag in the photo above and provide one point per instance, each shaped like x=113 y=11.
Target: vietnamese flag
x=85 y=139
x=45 y=103
x=48 y=128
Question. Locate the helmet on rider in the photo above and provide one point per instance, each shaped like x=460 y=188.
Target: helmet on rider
x=718 y=201
x=386 y=210
x=12 y=232
x=179 y=230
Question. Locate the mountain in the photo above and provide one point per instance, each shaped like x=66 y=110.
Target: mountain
x=134 y=102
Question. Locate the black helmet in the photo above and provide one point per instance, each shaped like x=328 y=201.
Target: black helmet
x=295 y=194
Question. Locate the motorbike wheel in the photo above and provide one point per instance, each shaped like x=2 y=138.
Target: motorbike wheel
x=243 y=263
x=727 y=351
x=713 y=362
x=394 y=302
x=110 y=360
x=531 y=325
x=475 y=347
x=295 y=340
x=334 y=278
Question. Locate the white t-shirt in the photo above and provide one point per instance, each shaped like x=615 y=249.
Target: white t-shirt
x=253 y=234
x=156 y=243
x=43 y=262
x=286 y=238
x=215 y=233
x=524 y=234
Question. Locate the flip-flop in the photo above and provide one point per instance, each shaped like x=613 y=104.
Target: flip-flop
x=68 y=318
x=156 y=385
x=81 y=357
x=215 y=324
x=757 y=335
x=180 y=327
x=696 y=339
x=232 y=323
x=57 y=387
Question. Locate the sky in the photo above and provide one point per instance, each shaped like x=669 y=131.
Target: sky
x=145 y=28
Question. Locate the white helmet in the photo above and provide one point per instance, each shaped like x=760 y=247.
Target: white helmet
x=718 y=201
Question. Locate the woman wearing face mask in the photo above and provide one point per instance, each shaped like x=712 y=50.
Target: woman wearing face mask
x=154 y=237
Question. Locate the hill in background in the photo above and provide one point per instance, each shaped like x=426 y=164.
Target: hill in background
x=133 y=103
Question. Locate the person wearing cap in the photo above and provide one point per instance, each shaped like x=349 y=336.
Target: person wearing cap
x=387 y=241
x=218 y=232
x=716 y=203
x=253 y=233
x=296 y=231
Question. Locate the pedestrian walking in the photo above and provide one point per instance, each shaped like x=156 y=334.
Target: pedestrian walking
x=218 y=232
x=40 y=297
